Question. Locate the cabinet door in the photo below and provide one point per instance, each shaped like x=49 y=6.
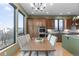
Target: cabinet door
x=49 y=24
x=65 y=42
x=71 y=45
x=74 y=46
x=43 y=22
x=77 y=21
x=30 y=27
x=69 y=23
x=36 y=24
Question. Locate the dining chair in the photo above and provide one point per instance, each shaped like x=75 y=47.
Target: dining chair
x=52 y=41
x=28 y=38
x=22 y=41
x=49 y=36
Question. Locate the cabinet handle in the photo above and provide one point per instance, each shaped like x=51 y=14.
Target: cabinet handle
x=68 y=38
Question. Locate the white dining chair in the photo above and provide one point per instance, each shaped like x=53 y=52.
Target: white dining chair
x=22 y=41
x=52 y=41
x=49 y=36
x=28 y=38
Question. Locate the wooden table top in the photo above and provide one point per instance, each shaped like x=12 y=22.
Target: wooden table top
x=35 y=46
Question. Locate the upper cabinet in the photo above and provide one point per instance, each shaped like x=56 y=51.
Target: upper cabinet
x=33 y=25
x=49 y=24
x=69 y=23
x=77 y=21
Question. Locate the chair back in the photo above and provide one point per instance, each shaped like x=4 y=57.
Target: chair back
x=22 y=41
x=49 y=36
x=53 y=40
x=28 y=38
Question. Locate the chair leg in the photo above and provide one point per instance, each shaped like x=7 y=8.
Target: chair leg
x=52 y=51
x=46 y=53
x=30 y=53
x=24 y=53
x=37 y=53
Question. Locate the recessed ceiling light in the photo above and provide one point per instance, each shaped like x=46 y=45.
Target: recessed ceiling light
x=68 y=12
x=61 y=14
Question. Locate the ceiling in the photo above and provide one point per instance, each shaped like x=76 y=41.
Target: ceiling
x=55 y=9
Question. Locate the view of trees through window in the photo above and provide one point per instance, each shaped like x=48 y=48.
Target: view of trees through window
x=6 y=25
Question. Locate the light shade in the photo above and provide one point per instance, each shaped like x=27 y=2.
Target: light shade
x=38 y=6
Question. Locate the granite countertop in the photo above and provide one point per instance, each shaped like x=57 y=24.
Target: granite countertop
x=73 y=36
x=51 y=31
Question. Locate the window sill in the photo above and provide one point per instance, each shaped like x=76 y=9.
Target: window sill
x=7 y=47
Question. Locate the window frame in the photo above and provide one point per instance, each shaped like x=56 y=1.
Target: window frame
x=62 y=26
x=14 y=21
x=58 y=29
x=23 y=21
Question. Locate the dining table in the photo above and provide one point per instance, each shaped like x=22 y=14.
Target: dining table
x=44 y=46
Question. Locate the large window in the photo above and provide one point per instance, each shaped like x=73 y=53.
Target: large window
x=6 y=25
x=59 y=25
x=56 y=24
x=20 y=23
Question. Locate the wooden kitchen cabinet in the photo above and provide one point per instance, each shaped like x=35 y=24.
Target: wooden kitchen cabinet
x=30 y=27
x=33 y=25
x=69 y=23
x=77 y=21
x=49 y=24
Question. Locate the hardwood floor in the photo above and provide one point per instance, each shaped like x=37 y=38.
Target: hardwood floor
x=60 y=51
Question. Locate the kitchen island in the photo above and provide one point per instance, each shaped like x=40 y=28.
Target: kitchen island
x=60 y=33
x=71 y=43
